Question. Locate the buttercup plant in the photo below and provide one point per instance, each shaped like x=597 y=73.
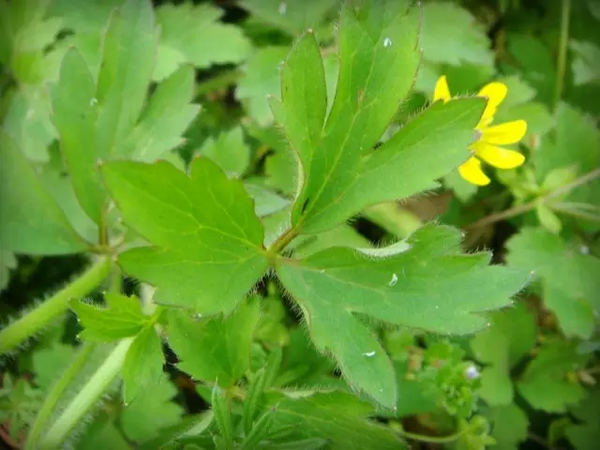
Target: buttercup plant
x=259 y=275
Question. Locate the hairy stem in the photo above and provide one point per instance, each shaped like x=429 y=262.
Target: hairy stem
x=32 y=322
x=87 y=397
x=282 y=241
x=512 y=212
x=433 y=439
x=562 y=49
x=55 y=394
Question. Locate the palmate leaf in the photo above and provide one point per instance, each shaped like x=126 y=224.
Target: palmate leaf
x=110 y=117
x=207 y=241
x=379 y=57
x=425 y=283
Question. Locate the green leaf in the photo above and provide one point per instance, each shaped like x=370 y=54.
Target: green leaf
x=548 y=219
x=122 y=318
x=568 y=276
x=266 y=202
x=585 y=436
x=27 y=121
x=214 y=349
x=228 y=151
x=188 y=35
x=165 y=118
x=143 y=364
x=207 y=242
x=342 y=175
x=511 y=336
x=102 y=433
x=545 y=385
x=147 y=415
x=451 y=35
x=337 y=417
x=261 y=79
x=510 y=426
x=586 y=65
x=577 y=142
x=50 y=362
x=128 y=60
x=222 y=414
x=31 y=222
x=253 y=398
x=423 y=283
x=291 y=16
x=75 y=114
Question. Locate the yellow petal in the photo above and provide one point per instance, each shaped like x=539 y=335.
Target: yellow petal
x=471 y=171
x=495 y=92
x=441 y=91
x=499 y=157
x=506 y=133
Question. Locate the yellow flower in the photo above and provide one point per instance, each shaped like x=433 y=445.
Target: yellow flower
x=489 y=138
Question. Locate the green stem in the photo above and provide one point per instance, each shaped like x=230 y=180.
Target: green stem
x=282 y=241
x=433 y=439
x=25 y=327
x=517 y=210
x=562 y=49
x=87 y=397
x=56 y=393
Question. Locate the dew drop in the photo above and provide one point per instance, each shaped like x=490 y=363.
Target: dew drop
x=93 y=101
x=387 y=42
x=369 y=354
x=197 y=316
x=394 y=280
x=282 y=8
x=437 y=306
x=584 y=249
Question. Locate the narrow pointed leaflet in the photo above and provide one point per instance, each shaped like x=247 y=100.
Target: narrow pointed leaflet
x=207 y=243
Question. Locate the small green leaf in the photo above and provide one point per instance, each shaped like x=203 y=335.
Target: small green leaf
x=266 y=202
x=222 y=414
x=143 y=364
x=31 y=222
x=253 y=396
x=122 y=318
x=129 y=52
x=28 y=123
x=451 y=35
x=261 y=77
x=75 y=114
x=188 y=35
x=510 y=337
x=545 y=385
x=548 y=219
x=207 y=242
x=422 y=283
x=568 y=276
x=228 y=151
x=145 y=418
x=290 y=16
x=165 y=118
x=259 y=431
x=337 y=417
x=215 y=349
x=585 y=435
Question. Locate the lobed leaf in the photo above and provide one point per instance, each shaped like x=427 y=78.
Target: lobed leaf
x=207 y=241
x=424 y=283
x=31 y=222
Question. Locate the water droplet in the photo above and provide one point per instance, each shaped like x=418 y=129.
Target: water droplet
x=584 y=249
x=472 y=373
x=394 y=280
x=197 y=316
x=369 y=354
x=30 y=113
x=387 y=42
x=437 y=306
x=282 y=8
x=489 y=324
x=93 y=101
